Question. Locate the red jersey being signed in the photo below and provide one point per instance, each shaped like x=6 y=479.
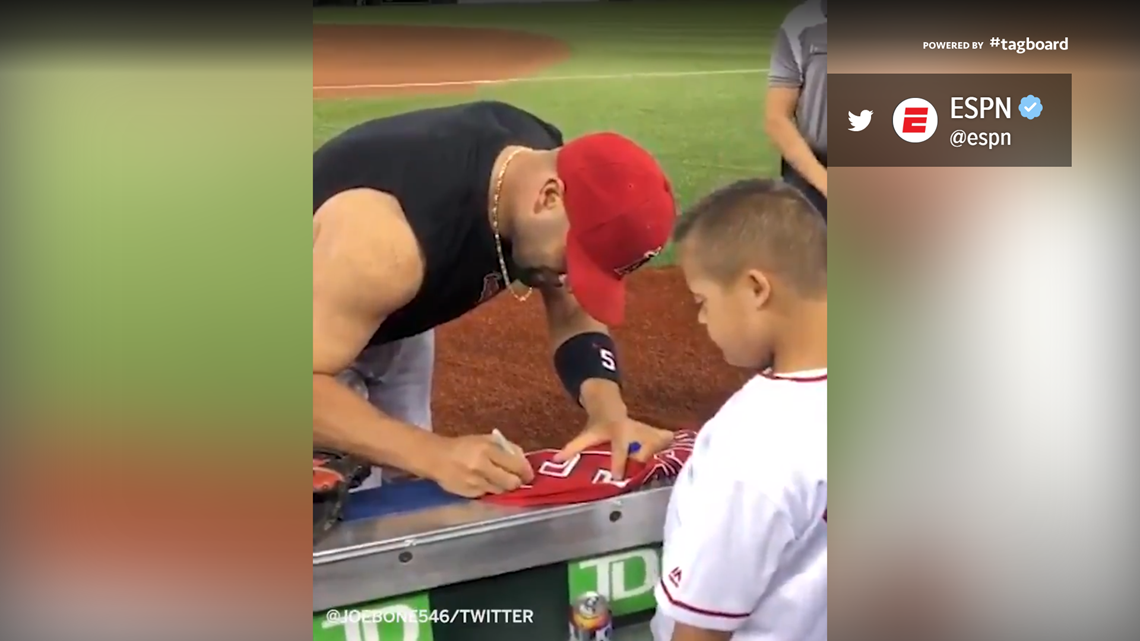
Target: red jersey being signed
x=587 y=477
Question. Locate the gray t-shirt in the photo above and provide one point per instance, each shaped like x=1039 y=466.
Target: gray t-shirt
x=799 y=61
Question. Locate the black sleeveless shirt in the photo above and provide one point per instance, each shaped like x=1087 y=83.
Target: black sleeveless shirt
x=438 y=164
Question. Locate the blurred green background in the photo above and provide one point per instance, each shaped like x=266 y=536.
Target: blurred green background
x=699 y=113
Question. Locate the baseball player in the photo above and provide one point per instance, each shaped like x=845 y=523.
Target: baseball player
x=421 y=217
x=745 y=547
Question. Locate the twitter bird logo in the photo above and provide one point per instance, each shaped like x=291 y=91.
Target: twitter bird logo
x=860 y=122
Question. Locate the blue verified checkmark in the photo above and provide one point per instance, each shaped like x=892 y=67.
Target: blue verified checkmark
x=1030 y=107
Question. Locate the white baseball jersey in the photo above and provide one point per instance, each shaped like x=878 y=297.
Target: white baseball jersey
x=746 y=529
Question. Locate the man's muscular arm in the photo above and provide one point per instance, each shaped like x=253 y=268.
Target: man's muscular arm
x=366 y=264
x=609 y=419
x=566 y=319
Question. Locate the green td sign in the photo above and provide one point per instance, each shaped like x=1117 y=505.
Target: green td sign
x=627 y=579
x=400 y=619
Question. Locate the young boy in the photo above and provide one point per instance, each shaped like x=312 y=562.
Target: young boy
x=745 y=555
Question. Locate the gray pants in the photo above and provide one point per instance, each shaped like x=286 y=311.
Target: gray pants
x=398 y=378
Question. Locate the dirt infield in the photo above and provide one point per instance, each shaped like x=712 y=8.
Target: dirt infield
x=360 y=61
x=493 y=366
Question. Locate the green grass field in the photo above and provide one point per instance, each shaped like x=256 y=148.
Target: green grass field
x=705 y=127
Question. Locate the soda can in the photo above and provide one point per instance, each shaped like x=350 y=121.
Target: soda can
x=590 y=618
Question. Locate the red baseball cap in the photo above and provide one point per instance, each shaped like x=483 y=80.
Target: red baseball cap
x=621 y=211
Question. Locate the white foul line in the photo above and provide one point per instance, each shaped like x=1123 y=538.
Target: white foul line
x=504 y=81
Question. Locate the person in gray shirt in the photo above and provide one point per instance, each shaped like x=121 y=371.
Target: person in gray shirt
x=796 y=108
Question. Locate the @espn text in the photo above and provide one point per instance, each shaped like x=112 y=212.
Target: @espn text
x=986 y=139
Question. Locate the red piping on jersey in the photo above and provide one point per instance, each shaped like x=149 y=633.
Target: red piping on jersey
x=793 y=378
x=700 y=611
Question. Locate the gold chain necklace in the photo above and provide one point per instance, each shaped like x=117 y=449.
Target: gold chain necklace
x=495 y=228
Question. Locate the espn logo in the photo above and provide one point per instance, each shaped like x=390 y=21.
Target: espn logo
x=915 y=120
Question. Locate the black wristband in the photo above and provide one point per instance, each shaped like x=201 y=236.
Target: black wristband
x=586 y=356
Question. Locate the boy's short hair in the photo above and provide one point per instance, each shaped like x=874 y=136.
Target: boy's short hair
x=758 y=224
